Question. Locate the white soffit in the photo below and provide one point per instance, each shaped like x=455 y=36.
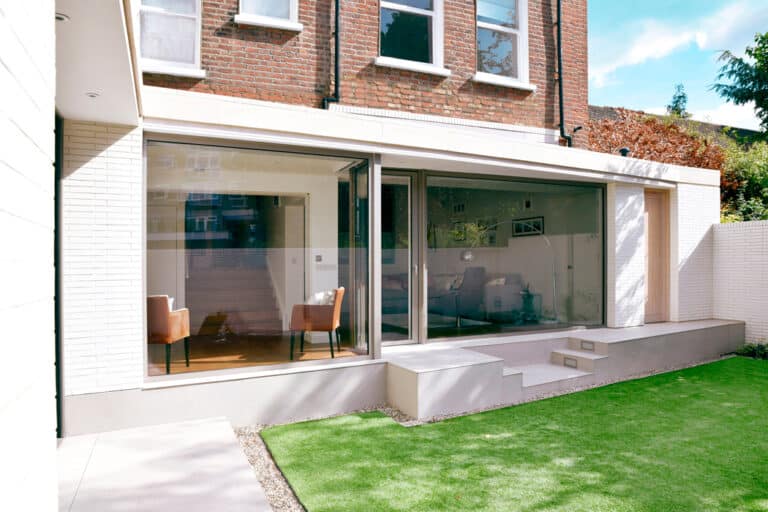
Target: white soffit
x=93 y=55
x=402 y=144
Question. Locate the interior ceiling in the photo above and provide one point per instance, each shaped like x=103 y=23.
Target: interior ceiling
x=182 y=157
x=93 y=56
x=507 y=185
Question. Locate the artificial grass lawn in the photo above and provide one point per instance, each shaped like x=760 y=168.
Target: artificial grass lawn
x=695 y=439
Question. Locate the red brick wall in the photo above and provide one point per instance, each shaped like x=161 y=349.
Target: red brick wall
x=275 y=65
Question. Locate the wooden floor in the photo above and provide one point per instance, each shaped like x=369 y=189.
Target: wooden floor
x=237 y=352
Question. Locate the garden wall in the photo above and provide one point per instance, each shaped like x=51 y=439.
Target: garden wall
x=741 y=276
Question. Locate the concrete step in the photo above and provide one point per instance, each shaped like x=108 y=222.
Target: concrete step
x=428 y=383
x=578 y=359
x=588 y=346
x=511 y=385
x=546 y=379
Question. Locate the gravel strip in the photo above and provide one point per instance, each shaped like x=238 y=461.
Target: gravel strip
x=279 y=494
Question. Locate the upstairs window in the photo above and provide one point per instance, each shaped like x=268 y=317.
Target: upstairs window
x=411 y=35
x=170 y=36
x=282 y=14
x=502 y=42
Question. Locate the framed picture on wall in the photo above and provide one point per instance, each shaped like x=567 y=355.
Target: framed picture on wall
x=528 y=227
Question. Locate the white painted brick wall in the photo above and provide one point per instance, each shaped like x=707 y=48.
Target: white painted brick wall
x=102 y=258
x=27 y=372
x=741 y=276
x=625 y=280
x=695 y=210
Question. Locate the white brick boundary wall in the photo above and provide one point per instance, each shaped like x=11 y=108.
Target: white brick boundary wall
x=102 y=269
x=741 y=276
x=27 y=371
x=695 y=210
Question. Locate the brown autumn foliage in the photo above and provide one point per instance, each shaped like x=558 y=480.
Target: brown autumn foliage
x=653 y=138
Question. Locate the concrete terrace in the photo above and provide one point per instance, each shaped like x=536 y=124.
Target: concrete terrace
x=179 y=467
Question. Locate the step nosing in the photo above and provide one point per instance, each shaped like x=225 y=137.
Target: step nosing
x=580 y=353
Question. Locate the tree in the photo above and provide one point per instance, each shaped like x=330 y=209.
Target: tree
x=744 y=182
x=653 y=138
x=679 y=103
x=747 y=78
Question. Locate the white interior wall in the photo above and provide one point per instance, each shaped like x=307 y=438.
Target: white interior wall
x=27 y=393
x=740 y=277
x=577 y=257
x=178 y=168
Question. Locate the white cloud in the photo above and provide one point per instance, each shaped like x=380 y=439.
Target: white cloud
x=738 y=116
x=730 y=28
x=727 y=114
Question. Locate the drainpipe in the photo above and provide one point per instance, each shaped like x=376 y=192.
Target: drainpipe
x=336 y=96
x=57 y=236
x=563 y=134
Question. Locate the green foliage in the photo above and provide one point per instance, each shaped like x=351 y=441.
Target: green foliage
x=677 y=107
x=747 y=78
x=756 y=351
x=745 y=183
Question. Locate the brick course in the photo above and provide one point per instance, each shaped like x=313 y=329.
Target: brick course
x=281 y=66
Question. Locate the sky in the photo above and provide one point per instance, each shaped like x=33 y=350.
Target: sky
x=640 y=49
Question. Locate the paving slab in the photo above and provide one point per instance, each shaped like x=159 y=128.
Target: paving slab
x=180 y=467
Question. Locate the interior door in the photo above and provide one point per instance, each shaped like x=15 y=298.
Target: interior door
x=657 y=256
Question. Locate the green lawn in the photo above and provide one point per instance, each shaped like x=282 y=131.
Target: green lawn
x=694 y=440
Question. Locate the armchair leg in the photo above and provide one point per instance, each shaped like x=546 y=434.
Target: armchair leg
x=167 y=358
x=302 y=341
x=186 y=350
x=293 y=336
x=338 y=339
x=330 y=342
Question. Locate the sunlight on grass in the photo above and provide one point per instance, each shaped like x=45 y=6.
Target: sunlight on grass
x=689 y=440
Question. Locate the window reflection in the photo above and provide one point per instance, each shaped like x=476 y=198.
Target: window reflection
x=254 y=245
x=506 y=256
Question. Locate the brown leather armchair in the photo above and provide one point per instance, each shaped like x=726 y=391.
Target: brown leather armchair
x=166 y=327
x=318 y=317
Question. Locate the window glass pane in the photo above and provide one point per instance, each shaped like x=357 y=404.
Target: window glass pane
x=255 y=244
x=167 y=37
x=507 y=256
x=497 y=52
x=406 y=36
x=396 y=279
x=175 y=6
x=272 y=8
x=419 y=4
x=499 y=12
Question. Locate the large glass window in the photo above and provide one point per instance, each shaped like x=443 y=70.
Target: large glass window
x=170 y=34
x=409 y=30
x=265 y=251
x=502 y=47
x=505 y=256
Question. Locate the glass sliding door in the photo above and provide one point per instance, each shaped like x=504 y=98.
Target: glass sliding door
x=397 y=259
x=507 y=256
x=254 y=248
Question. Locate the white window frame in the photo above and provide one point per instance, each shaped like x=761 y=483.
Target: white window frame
x=291 y=23
x=521 y=32
x=167 y=67
x=436 y=67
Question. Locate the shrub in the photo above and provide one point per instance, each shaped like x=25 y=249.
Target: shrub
x=744 y=182
x=754 y=350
